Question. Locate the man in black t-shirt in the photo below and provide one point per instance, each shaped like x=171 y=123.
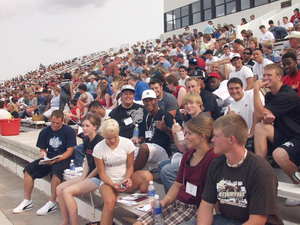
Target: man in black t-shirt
x=127 y=113
x=243 y=184
x=154 y=131
x=280 y=121
x=57 y=140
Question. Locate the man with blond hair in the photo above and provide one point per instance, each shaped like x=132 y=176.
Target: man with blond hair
x=280 y=122
x=243 y=184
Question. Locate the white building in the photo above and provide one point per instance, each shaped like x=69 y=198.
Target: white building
x=195 y=14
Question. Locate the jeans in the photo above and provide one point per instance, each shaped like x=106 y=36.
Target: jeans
x=168 y=173
x=218 y=220
x=78 y=155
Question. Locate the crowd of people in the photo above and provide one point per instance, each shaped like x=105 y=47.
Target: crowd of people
x=206 y=111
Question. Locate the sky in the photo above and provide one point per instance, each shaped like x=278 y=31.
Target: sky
x=48 y=31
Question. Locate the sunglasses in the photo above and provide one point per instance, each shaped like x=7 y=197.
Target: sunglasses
x=247 y=53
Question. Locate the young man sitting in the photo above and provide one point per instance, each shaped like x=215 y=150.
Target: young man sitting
x=55 y=140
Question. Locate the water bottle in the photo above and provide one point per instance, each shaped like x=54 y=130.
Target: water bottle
x=135 y=134
x=180 y=135
x=136 y=131
x=72 y=166
x=157 y=212
x=151 y=192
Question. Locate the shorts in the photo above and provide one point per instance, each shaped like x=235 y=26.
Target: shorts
x=96 y=181
x=292 y=147
x=39 y=171
x=176 y=213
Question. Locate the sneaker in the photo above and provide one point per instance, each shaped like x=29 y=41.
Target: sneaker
x=292 y=202
x=49 y=207
x=23 y=206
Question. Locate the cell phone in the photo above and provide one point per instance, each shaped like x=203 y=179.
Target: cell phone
x=123 y=186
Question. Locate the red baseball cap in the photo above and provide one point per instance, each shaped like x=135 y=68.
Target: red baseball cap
x=216 y=75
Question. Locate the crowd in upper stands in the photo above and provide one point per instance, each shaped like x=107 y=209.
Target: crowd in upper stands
x=172 y=90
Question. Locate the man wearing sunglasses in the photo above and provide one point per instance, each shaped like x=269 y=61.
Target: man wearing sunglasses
x=247 y=58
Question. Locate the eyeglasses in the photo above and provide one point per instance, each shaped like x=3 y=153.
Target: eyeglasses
x=247 y=53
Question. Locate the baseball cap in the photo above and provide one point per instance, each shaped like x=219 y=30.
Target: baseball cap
x=235 y=55
x=127 y=87
x=148 y=94
x=216 y=75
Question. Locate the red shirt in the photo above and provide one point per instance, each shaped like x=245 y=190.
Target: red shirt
x=195 y=175
x=293 y=17
x=73 y=111
x=293 y=81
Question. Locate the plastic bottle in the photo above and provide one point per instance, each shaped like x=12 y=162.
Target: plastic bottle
x=180 y=135
x=136 y=131
x=157 y=212
x=72 y=165
x=135 y=134
x=151 y=192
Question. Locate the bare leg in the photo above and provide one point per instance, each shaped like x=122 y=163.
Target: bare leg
x=82 y=187
x=138 y=223
x=283 y=160
x=60 y=199
x=140 y=180
x=262 y=134
x=55 y=181
x=142 y=157
x=28 y=186
x=109 y=197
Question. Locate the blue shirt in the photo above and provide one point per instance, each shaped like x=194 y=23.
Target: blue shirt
x=56 y=142
x=140 y=87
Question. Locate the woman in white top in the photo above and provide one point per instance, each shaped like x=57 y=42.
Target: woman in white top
x=114 y=157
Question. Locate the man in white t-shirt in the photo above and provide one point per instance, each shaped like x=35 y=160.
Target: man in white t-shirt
x=242 y=72
x=210 y=59
x=266 y=35
x=243 y=102
x=287 y=24
x=260 y=63
x=4 y=114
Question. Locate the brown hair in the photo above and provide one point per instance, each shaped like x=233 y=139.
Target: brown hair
x=201 y=125
x=233 y=125
x=94 y=119
x=57 y=114
x=172 y=79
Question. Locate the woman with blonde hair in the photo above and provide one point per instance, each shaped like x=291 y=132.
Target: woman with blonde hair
x=114 y=157
x=193 y=106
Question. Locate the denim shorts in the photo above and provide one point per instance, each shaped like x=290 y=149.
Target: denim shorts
x=96 y=181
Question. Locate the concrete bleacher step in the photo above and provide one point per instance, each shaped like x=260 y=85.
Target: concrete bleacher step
x=290 y=191
x=14 y=157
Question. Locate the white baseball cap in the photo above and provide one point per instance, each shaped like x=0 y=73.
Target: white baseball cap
x=235 y=55
x=127 y=87
x=148 y=94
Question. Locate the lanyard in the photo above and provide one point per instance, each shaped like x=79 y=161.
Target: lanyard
x=149 y=127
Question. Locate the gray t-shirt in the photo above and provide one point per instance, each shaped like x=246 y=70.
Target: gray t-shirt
x=168 y=102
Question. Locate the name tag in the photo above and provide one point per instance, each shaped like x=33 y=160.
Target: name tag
x=148 y=134
x=191 y=189
x=128 y=121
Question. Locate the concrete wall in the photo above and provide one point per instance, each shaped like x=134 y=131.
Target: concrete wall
x=234 y=18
